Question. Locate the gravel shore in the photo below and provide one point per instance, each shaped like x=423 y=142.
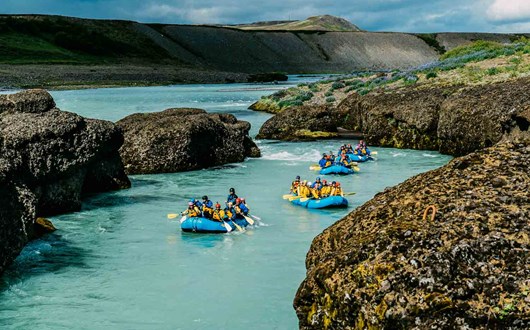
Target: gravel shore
x=93 y=76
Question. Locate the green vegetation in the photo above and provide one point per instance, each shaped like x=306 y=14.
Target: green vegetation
x=54 y=39
x=478 y=62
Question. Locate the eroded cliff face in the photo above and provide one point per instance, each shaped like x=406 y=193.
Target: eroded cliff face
x=183 y=139
x=48 y=159
x=389 y=265
x=454 y=120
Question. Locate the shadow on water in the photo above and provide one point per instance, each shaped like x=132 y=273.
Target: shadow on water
x=49 y=254
x=110 y=200
x=203 y=240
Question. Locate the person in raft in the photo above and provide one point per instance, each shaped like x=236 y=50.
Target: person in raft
x=207 y=207
x=294 y=185
x=318 y=189
x=218 y=214
x=240 y=207
x=192 y=210
x=325 y=161
x=361 y=149
x=231 y=196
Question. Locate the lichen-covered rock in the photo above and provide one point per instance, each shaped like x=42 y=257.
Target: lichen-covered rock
x=453 y=120
x=389 y=265
x=298 y=123
x=182 y=140
x=48 y=159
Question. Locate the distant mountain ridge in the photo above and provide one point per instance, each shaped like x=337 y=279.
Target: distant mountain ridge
x=176 y=53
x=313 y=23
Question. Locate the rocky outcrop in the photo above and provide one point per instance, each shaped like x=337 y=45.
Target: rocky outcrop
x=48 y=159
x=182 y=140
x=389 y=265
x=302 y=123
x=267 y=77
x=454 y=120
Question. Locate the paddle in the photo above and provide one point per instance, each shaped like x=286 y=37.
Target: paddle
x=356 y=168
x=249 y=220
x=373 y=152
x=315 y=168
x=238 y=227
x=292 y=198
x=174 y=215
x=287 y=196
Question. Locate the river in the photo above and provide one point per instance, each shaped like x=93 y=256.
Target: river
x=119 y=263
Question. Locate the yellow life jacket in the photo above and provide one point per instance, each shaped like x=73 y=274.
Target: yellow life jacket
x=218 y=215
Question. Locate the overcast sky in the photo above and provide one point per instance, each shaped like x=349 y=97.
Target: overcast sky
x=372 y=15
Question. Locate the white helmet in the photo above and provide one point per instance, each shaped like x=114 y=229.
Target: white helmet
x=309 y=183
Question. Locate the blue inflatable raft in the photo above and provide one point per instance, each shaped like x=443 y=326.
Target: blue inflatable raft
x=327 y=202
x=359 y=159
x=336 y=169
x=204 y=225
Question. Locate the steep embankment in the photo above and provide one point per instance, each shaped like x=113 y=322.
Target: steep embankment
x=48 y=159
x=61 y=49
x=389 y=265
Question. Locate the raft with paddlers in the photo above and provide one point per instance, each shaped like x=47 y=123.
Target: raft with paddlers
x=359 y=158
x=204 y=225
x=321 y=203
x=336 y=169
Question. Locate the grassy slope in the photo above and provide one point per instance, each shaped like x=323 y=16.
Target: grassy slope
x=479 y=63
x=55 y=39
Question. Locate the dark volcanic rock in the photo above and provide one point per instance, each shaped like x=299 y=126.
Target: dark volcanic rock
x=297 y=123
x=48 y=159
x=388 y=266
x=183 y=139
x=451 y=120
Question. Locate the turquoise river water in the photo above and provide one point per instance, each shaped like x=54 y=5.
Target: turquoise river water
x=120 y=264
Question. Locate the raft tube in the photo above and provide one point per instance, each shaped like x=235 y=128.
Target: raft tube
x=204 y=225
x=328 y=202
x=336 y=169
x=359 y=159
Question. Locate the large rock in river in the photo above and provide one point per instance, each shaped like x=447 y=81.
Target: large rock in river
x=48 y=160
x=182 y=140
x=389 y=265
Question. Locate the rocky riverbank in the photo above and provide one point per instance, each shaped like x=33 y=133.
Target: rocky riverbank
x=110 y=75
x=183 y=139
x=453 y=120
x=48 y=160
x=446 y=249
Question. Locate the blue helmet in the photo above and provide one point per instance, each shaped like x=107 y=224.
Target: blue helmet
x=192 y=200
x=318 y=178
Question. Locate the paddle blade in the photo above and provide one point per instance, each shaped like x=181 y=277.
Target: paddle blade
x=172 y=216
x=238 y=227
x=315 y=168
x=356 y=168
x=287 y=196
x=227 y=227
x=183 y=219
x=349 y=193
x=292 y=198
x=373 y=152
x=256 y=217
x=304 y=199
x=249 y=220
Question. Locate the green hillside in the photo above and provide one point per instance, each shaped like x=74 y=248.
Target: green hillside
x=56 y=39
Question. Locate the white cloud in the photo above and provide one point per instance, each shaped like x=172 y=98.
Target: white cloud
x=509 y=10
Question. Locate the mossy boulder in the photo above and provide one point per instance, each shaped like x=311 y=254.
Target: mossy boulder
x=183 y=139
x=447 y=249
